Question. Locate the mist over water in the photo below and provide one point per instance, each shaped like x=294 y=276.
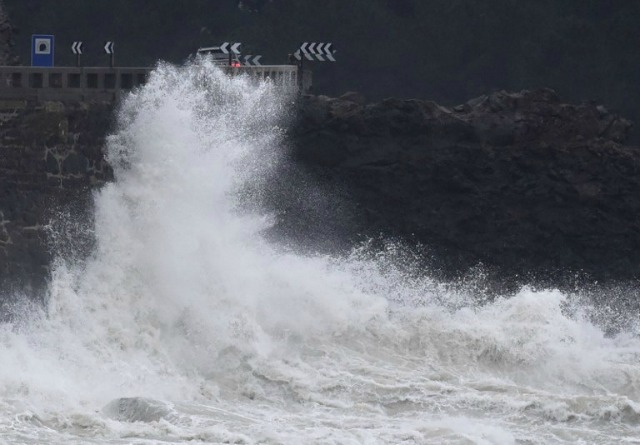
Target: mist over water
x=186 y=324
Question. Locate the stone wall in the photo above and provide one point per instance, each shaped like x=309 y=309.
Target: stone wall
x=50 y=158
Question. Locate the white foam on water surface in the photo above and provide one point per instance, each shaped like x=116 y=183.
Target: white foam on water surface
x=185 y=324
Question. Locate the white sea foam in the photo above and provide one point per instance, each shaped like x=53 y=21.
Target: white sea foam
x=186 y=325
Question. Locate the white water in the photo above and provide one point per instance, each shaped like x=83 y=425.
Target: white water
x=186 y=325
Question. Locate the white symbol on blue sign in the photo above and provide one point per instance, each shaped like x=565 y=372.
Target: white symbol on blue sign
x=43 y=46
x=42 y=50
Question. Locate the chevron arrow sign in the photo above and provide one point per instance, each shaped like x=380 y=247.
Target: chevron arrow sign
x=328 y=52
x=306 y=51
x=233 y=47
x=108 y=47
x=321 y=52
x=76 y=48
x=251 y=60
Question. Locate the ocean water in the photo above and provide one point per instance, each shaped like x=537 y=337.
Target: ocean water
x=185 y=325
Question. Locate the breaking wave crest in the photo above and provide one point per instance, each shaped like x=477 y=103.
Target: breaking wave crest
x=186 y=324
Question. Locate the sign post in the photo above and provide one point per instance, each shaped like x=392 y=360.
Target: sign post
x=42 y=50
x=108 y=49
x=321 y=52
x=76 y=49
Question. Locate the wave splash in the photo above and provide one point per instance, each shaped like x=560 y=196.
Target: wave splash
x=184 y=301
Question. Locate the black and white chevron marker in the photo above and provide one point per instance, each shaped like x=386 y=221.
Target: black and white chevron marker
x=322 y=52
x=234 y=47
x=108 y=47
x=251 y=60
x=76 y=48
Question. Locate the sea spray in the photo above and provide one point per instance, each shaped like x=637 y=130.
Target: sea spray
x=185 y=324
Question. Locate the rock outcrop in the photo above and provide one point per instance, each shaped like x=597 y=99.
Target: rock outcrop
x=520 y=182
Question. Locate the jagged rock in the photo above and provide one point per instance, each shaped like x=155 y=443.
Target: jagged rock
x=518 y=181
x=355 y=97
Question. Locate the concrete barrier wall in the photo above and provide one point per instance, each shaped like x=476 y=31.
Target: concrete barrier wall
x=100 y=84
x=69 y=84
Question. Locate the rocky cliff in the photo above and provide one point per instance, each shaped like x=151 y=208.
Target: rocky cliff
x=521 y=182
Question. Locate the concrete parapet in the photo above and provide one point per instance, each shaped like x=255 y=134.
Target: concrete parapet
x=103 y=84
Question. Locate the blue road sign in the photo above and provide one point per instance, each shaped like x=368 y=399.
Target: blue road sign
x=42 y=50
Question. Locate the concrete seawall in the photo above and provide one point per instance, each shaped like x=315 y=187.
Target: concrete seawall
x=51 y=159
x=101 y=84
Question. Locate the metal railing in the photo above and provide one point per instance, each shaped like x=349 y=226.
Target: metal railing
x=105 y=84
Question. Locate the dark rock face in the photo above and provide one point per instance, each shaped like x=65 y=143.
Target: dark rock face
x=51 y=158
x=520 y=182
x=517 y=181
